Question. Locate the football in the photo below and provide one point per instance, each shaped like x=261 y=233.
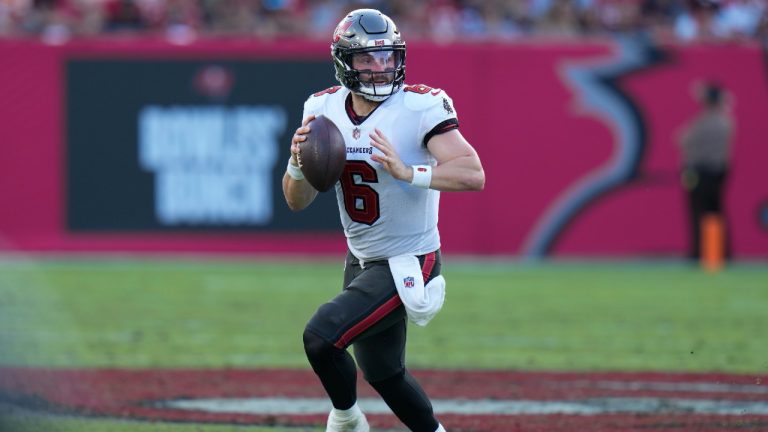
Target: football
x=323 y=154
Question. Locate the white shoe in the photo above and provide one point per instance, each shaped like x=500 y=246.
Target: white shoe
x=351 y=420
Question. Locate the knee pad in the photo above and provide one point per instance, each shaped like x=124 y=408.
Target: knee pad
x=315 y=346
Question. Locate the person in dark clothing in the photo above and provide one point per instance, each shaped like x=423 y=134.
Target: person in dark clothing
x=706 y=156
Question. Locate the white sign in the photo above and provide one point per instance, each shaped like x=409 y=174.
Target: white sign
x=213 y=164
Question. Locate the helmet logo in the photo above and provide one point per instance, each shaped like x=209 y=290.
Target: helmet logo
x=379 y=42
x=341 y=29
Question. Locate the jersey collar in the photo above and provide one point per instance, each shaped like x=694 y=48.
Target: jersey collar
x=353 y=117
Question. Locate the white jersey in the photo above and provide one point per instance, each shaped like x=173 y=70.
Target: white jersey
x=384 y=217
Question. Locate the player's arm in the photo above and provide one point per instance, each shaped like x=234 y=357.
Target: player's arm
x=298 y=192
x=458 y=165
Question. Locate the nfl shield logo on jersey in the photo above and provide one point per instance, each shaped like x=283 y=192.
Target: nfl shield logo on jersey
x=408 y=282
x=356 y=133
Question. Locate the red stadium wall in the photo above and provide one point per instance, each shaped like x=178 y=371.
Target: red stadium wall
x=577 y=142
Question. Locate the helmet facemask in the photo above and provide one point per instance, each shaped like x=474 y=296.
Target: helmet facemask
x=374 y=73
x=369 y=55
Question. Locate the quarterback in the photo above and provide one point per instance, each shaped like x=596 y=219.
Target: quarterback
x=403 y=148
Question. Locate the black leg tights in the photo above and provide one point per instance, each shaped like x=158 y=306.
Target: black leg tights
x=336 y=370
x=408 y=401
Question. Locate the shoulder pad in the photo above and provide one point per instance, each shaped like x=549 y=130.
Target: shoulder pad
x=329 y=90
x=419 y=97
x=317 y=100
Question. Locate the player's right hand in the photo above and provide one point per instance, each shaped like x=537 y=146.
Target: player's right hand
x=299 y=137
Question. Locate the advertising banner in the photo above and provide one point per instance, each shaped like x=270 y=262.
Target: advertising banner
x=185 y=145
x=144 y=145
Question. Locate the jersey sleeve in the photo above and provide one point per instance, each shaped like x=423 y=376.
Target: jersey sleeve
x=314 y=105
x=436 y=111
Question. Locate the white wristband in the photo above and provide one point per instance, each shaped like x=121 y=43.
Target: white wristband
x=294 y=171
x=422 y=176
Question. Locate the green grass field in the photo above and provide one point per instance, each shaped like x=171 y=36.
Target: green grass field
x=250 y=313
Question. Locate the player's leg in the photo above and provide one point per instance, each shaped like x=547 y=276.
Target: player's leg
x=338 y=374
x=407 y=400
x=381 y=357
x=337 y=324
x=380 y=353
x=333 y=365
x=335 y=368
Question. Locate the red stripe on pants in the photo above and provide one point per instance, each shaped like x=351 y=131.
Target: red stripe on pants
x=370 y=320
x=429 y=265
x=383 y=310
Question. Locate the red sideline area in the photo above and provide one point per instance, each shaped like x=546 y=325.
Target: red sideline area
x=136 y=394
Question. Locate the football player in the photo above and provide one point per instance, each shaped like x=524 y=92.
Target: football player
x=403 y=149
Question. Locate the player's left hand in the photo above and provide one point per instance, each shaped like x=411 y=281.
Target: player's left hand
x=389 y=159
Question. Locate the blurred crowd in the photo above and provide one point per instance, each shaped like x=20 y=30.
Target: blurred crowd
x=440 y=20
